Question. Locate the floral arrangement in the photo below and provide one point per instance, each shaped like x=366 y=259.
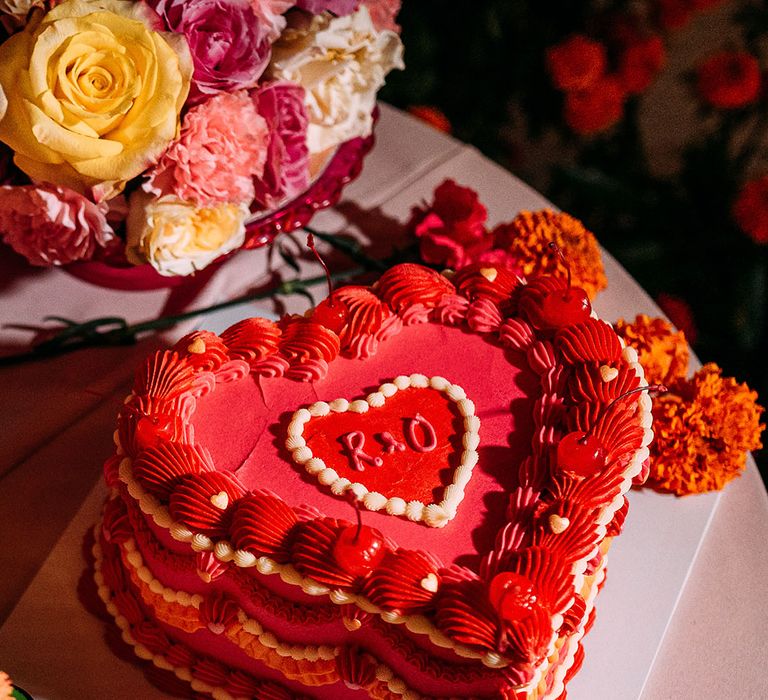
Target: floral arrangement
x=704 y=425
x=156 y=129
x=451 y=233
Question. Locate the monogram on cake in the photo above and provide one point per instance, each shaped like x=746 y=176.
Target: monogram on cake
x=228 y=552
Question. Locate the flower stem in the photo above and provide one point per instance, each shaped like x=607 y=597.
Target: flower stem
x=351 y=248
x=113 y=331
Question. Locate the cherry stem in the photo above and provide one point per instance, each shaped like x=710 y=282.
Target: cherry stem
x=311 y=246
x=351 y=498
x=559 y=251
x=650 y=387
x=359 y=523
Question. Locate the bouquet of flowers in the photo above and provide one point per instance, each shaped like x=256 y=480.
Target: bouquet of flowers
x=157 y=129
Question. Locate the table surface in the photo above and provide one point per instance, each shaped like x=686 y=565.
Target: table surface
x=688 y=580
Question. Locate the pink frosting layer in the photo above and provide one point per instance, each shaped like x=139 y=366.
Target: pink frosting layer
x=251 y=440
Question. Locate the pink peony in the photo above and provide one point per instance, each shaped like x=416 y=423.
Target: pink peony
x=286 y=172
x=383 y=14
x=229 y=42
x=336 y=7
x=221 y=148
x=51 y=225
x=451 y=231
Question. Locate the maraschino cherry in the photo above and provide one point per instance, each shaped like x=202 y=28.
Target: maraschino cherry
x=152 y=431
x=564 y=307
x=513 y=595
x=582 y=454
x=359 y=548
x=328 y=313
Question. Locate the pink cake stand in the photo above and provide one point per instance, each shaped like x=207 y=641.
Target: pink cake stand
x=343 y=167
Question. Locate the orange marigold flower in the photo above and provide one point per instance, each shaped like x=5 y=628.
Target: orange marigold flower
x=595 y=109
x=432 y=116
x=640 y=63
x=662 y=351
x=526 y=240
x=577 y=63
x=751 y=209
x=703 y=429
x=729 y=79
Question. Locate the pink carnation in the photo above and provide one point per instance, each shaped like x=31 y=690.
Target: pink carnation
x=451 y=231
x=498 y=257
x=383 y=13
x=51 y=225
x=286 y=172
x=221 y=148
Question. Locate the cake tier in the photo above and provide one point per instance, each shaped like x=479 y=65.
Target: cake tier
x=441 y=408
x=230 y=653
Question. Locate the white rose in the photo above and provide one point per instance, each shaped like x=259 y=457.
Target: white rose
x=341 y=63
x=176 y=237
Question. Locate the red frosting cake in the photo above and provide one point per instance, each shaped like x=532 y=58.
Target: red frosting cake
x=483 y=431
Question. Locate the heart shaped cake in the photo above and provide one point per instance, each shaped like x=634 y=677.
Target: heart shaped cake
x=408 y=493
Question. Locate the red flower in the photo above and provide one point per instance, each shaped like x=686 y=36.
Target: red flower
x=596 y=109
x=432 y=116
x=640 y=62
x=751 y=210
x=451 y=231
x=679 y=312
x=729 y=79
x=576 y=64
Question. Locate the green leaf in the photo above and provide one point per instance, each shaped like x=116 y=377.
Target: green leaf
x=288 y=259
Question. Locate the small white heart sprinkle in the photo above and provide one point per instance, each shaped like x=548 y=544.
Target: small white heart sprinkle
x=352 y=623
x=608 y=373
x=490 y=273
x=196 y=347
x=220 y=500
x=558 y=524
x=429 y=583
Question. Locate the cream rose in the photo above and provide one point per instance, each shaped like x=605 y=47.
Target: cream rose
x=177 y=238
x=341 y=63
x=91 y=95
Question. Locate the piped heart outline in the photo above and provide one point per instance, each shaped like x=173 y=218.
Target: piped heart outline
x=431 y=514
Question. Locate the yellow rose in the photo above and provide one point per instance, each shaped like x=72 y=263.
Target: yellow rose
x=90 y=95
x=177 y=238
